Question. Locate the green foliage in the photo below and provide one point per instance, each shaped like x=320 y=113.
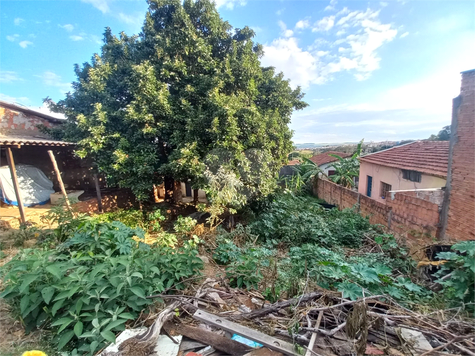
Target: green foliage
x=353 y=276
x=299 y=219
x=443 y=135
x=130 y=217
x=346 y=169
x=244 y=264
x=459 y=286
x=184 y=225
x=66 y=221
x=88 y=288
x=158 y=104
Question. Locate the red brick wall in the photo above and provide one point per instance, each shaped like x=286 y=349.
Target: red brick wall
x=461 y=211
x=407 y=214
x=18 y=123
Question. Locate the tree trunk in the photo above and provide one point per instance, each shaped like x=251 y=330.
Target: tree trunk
x=177 y=193
x=195 y=196
x=169 y=183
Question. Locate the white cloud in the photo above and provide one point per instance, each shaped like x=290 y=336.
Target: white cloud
x=280 y=12
x=324 y=24
x=229 y=4
x=101 y=5
x=68 y=27
x=18 y=21
x=361 y=34
x=331 y=6
x=285 y=55
x=12 y=99
x=404 y=35
x=24 y=44
x=52 y=79
x=13 y=38
x=302 y=24
x=7 y=76
x=76 y=38
x=284 y=31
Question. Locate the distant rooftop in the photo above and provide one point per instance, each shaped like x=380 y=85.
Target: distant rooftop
x=324 y=158
x=429 y=157
x=42 y=111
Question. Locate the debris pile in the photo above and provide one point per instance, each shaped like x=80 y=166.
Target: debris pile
x=216 y=320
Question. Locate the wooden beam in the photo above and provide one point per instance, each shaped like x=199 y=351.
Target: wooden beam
x=98 y=193
x=60 y=180
x=11 y=164
x=206 y=337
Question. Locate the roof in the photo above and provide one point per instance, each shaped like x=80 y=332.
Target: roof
x=429 y=157
x=31 y=141
x=324 y=158
x=42 y=112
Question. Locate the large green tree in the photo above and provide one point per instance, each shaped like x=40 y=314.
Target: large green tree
x=185 y=97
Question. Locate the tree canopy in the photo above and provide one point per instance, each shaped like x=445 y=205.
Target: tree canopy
x=443 y=135
x=186 y=96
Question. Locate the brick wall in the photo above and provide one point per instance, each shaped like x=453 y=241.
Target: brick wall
x=461 y=194
x=413 y=215
x=17 y=123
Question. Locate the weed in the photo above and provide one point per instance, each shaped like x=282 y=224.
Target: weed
x=89 y=287
x=457 y=275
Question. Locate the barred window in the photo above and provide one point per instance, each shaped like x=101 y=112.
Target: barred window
x=385 y=189
x=413 y=176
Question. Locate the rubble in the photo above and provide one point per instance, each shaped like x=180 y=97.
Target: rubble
x=320 y=323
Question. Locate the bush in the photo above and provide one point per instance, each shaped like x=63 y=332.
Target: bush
x=353 y=276
x=88 y=293
x=459 y=286
x=297 y=220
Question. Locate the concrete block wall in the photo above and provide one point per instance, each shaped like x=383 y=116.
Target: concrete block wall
x=461 y=200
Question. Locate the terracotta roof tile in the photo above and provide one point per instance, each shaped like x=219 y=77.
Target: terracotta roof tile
x=323 y=158
x=429 y=157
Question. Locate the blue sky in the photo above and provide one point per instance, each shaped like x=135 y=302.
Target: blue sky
x=378 y=70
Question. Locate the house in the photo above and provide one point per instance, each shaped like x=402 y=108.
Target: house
x=416 y=165
x=326 y=162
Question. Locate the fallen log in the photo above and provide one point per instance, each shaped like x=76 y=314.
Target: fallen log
x=212 y=339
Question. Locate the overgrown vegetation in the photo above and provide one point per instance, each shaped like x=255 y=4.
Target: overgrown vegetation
x=295 y=220
x=87 y=288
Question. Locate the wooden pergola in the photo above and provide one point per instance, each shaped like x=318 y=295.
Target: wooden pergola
x=18 y=142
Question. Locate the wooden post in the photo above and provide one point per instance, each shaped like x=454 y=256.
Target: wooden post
x=11 y=164
x=60 y=180
x=98 y=192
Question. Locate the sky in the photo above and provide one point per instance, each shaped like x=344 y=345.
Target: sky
x=378 y=70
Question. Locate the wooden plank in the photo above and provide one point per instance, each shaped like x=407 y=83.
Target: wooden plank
x=210 y=338
x=11 y=165
x=60 y=180
x=266 y=340
x=314 y=335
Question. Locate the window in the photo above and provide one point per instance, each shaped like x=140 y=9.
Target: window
x=331 y=172
x=369 y=186
x=413 y=176
x=385 y=189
